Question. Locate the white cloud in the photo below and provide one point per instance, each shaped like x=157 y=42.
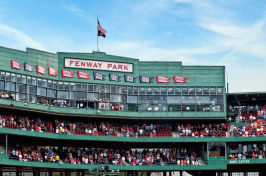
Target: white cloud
x=75 y=10
x=19 y=36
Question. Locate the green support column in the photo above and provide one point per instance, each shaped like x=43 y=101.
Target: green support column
x=207 y=151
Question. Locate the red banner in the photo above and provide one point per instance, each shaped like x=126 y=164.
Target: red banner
x=83 y=75
x=52 y=72
x=162 y=79
x=40 y=69
x=179 y=79
x=15 y=64
x=66 y=73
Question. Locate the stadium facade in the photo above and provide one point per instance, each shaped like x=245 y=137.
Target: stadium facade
x=100 y=87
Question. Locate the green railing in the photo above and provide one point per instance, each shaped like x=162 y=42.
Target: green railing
x=130 y=139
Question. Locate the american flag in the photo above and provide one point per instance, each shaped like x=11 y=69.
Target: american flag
x=101 y=31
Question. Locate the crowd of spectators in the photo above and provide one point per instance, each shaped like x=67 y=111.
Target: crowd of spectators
x=255 y=127
x=104 y=156
x=255 y=152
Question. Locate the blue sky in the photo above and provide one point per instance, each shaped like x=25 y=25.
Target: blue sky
x=196 y=32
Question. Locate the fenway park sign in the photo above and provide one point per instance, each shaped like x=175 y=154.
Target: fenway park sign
x=98 y=65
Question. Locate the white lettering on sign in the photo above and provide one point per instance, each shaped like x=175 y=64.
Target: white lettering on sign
x=239 y=161
x=98 y=65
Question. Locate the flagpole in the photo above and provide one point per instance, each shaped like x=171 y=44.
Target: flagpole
x=97 y=34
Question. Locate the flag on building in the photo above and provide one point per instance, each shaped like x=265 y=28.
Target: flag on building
x=101 y=31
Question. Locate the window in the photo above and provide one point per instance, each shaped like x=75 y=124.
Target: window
x=21 y=88
x=13 y=77
x=95 y=88
x=146 y=99
x=3 y=75
x=216 y=100
x=205 y=91
x=174 y=99
x=60 y=85
x=118 y=89
x=29 y=80
x=124 y=90
x=78 y=86
x=141 y=91
x=34 y=82
x=90 y=87
x=41 y=91
x=24 y=81
x=213 y=91
x=135 y=91
x=39 y=82
x=188 y=99
x=63 y=95
x=124 y=98
x=163 y=91
x=72 y=95
x=130 y=90
x=81 y=96
x=2 y=85
x=160 y=99
x=184 y=91
x=51 y=93
x=220 y=91
x=104 y=97
x=149 y=90
x=8 y=77
x=50 y=83
x=72 y=86
x=44 y=83
x=55 y=84
x=200 y=100
x=19 y=80
x=178 y=91
x=10 y=86
x=132 y=99
x=32 y=90
x=199 y=91
x=170 y=91
x=93 y=96
x=66 y=85
x=116 y=98
x=191 y=91
x=84 y=87
x=156 y=91
x=113 y=89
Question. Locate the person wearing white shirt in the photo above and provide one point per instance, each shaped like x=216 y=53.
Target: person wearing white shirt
x=187 y=108
x=81 y=105
x=178 y=162
x=156 y=108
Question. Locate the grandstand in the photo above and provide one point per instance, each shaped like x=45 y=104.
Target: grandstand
x=98 y=114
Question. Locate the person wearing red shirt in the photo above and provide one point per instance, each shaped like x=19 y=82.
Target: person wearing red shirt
x=185 y=162
x=253 y=155
x=182 y=162
x=134 y=161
